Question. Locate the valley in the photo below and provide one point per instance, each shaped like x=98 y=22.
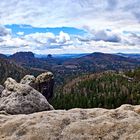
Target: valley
x=87 y=81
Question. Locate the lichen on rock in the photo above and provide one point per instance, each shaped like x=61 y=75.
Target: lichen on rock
x=28 y=79
x=44 y=77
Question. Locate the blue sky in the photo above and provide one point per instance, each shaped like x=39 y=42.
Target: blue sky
x=28 y=29
x=70 y=26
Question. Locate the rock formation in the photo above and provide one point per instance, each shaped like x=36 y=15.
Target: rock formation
x=122 y=123
x=19 y=98
x=44 y=84
x=29 y=80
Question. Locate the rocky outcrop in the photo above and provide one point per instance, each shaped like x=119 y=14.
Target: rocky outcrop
x=22 y=56
x=77 y=124
x=19 y=98
x=44 y=83
x=29 y=80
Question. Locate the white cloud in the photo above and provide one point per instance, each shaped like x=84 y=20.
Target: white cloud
x=41 y=38
x=95 y=40
x=105 y=35
x=63 y=37
x=4 y=31
x=20 y=33
x=98 y=14
x=94 y=16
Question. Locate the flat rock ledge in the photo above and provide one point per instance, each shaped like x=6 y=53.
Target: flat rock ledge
x=122 y=123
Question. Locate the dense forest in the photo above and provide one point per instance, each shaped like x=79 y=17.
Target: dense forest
x=108 y=90
x=134 y=74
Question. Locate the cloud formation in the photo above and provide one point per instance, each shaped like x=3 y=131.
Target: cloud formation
x=76 y=13
x=4 y=31
x=94 y=40
x=109 y=25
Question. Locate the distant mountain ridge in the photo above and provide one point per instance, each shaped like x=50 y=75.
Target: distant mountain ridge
x=101 y=61
x=91 y=62
x=3 y=56
x=61 y=55
x=28 y=60
x=15 y=66
x=22 y=55
x=68 y=68
x=131 y=55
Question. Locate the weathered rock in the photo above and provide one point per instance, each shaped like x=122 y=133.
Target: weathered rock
x=45 y=84
x=28 y=79
x=76 y=124
x=19 y=98
x=1 y=89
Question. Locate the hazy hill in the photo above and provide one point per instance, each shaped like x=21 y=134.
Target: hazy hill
x=87 y=63
x=134 y=56
x=28 y=59
x=67 y=68
x=101 y=61
x=22 y=56
x=3 y=56
x=10 y=69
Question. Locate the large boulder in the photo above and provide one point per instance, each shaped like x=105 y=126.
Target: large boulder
x=45 y=83
x=76 y=124
x=19 y=98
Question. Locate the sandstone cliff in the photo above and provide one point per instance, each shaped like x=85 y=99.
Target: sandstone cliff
x=77 y=124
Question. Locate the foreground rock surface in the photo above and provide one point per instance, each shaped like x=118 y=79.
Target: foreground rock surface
x=19 y=98
x=76 y=124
